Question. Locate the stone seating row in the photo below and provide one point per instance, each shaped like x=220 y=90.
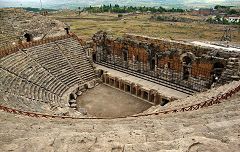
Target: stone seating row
x=77 y=57
x=44 y=73
x=13 y=84
x=27 y=68
x=52 y=60
x=19 y=102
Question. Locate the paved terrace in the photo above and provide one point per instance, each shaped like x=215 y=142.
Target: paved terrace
x=168 y=92
x=215 y=46
x=194 y=43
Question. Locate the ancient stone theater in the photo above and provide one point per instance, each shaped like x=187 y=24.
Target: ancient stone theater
x=130 y=93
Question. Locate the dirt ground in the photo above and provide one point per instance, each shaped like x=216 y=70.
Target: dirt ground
x=88 y=24
x=105 y=101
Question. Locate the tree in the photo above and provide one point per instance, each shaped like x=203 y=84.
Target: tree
x=233 y=11
x=79 y=11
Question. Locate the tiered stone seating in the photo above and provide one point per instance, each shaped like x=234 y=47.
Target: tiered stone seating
x=43 y=73
x=7 y=40
x=27 y=68
x=50 y=57
x=77 y=57
x=15 y=85
x=20 y=102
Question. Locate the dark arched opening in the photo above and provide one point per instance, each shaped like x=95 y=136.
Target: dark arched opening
x=137 y=58
x=125 y=55
x=139 y=93
x=71 y=97
x=152 y=98
x=186 y=74
x=128 y=88
x=164 y=102
x=187 y=62
x=134 y=90
x=169 y=65
x=94 y=57
x=217 y=71
x=67 y=30
x=145 y=95
x=152 y=65
x=101 y=73
x=28 y=37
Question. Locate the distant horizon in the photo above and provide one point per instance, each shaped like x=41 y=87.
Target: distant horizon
x=73 y=4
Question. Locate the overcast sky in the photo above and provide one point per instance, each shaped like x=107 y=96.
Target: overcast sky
x=66 y=3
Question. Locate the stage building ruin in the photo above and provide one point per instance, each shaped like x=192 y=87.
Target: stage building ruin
x=188 y=64
x=50 y=80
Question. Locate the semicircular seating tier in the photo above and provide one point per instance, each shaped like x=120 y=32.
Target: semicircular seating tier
x=43 y=74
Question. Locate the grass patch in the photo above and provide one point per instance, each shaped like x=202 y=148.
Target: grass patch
x=87 y=24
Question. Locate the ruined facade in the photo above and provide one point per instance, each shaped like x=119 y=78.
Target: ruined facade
x=187 y=64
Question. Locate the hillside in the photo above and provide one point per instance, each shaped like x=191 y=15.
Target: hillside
x=82 y=3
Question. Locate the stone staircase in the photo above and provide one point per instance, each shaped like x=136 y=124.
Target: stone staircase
x=77 y=57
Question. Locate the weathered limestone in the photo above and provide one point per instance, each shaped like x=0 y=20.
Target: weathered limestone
x=47 y=73
x=188 y=64
x=17 y=23
x=150 y=95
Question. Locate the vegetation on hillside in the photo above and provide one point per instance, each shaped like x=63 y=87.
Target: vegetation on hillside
x=227 y=9
x=172 y=18
x=128 y=9
x=30 y=9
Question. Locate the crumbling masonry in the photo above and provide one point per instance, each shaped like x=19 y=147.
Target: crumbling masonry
x=183 y=63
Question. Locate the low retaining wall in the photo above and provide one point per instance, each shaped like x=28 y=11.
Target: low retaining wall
x=150 y=95
x=203 y=104
x=71 y=95
x=14 y=48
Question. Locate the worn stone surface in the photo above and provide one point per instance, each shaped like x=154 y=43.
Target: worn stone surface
x=160 y=57
x=32 y=82
x=20 y=22
x=211 y=129
x=195 y=99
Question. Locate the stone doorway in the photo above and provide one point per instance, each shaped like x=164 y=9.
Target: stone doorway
x=217 y=71
x=94 y=57
x=187 y=64
x=152 y=65
x=125 y=55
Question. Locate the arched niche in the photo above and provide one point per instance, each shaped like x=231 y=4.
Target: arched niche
x=94 y=57
x=28 y=37
x=217 y=71
x=189 y=56
x=187 y=60
x=125 y=55
x=67 y=29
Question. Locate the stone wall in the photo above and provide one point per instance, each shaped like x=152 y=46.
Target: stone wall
x=167 y=59
x=150 y=95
